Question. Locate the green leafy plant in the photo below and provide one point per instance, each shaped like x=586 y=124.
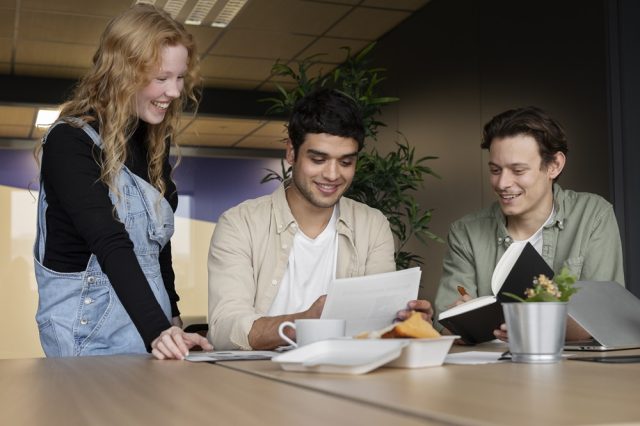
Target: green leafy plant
x=386 y=182
x=560 y=289
x=354 y=78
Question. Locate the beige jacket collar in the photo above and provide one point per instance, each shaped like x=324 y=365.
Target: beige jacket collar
x=284 y=217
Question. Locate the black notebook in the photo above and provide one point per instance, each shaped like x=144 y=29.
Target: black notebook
x=475 y=320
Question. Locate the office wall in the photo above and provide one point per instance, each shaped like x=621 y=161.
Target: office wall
x=624 y=109
x=456 y=63
x=206 y=187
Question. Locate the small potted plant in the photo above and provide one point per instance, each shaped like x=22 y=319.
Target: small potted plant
x=537 y=324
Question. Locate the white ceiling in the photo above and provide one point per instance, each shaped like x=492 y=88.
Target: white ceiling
x=57 y=39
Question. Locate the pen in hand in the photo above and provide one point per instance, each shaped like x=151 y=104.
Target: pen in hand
x=462 y=291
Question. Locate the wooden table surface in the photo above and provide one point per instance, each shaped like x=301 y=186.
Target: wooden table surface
x=566 y=393
x=132 y=390
x=136 y=390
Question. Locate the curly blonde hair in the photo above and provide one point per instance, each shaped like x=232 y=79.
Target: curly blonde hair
x=130 y=52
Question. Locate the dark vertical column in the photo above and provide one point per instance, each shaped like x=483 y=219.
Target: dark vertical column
x=624 y=123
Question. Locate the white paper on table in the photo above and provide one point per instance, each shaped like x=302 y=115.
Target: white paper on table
x=214 y=356
x=473 y=358
x=371 y=302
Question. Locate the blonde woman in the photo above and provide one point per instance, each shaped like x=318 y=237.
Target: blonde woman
x=106 y=203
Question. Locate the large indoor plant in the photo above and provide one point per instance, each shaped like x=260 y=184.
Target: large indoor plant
x=386 y=182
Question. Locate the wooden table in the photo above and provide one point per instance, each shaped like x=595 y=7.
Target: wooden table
x=566 y=393
x=135 y=390
x=132 y=390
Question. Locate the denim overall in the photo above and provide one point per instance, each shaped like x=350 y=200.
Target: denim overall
x=79 y=312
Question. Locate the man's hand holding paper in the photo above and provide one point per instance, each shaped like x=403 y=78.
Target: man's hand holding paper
x=375 y=301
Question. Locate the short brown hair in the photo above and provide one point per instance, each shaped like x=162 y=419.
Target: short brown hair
x=530 y=121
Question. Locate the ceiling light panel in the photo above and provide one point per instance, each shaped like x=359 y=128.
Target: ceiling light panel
x=46 y=117
x=227 y=13
x=200 y=12
x=173 y=7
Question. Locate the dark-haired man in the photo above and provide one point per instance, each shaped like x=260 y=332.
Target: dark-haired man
x=527 y=152
x=272 y=258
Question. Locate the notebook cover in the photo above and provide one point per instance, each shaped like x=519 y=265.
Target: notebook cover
x=477 y=326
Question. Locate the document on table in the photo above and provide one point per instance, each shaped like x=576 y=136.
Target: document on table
x=372 y=301
x=215 y=356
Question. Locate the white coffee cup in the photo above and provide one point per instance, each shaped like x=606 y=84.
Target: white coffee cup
x=312 y=330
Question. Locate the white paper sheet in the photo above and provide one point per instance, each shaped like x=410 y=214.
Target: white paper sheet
x=371 y=302
x=230 y=356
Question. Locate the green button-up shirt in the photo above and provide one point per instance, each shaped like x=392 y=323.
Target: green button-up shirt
x=583 y=235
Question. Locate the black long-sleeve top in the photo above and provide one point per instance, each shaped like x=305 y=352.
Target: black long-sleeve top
x=80 y=221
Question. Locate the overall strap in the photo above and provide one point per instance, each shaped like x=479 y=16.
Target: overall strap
x=90 y=131
x=41 y=235
x=76 y=122
x=38 y=247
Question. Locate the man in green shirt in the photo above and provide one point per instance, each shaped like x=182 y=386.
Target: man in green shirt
x=527 y=152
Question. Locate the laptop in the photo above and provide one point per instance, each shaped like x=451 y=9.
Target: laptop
x=609 y=313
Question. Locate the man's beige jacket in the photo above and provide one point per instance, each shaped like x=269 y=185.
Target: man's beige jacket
x=249 y=253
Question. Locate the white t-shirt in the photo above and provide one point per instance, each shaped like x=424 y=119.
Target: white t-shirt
x=311 y=267
x=512 y=254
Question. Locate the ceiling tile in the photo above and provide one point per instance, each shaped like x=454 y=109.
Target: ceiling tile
x=332 y=49
x=260 y=44
x=18 y=116
x=78 y=7
x=6 y=22
x=54 y=54
x=274 y=129
x=294 y=15
x=6 y=46
x=240 y=68
x=18 y=132
x=368 y=24
x=49 y=71
x=222 y=126
x=396 y=4
x=58 y=39
x=186 y=120
x=38 y=132
x=54 y=27
x=208 y=140
x=204 y=36
x=313 y=71
x=264 y=142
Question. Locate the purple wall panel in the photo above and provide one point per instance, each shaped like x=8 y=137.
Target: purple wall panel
x=217 y=184
x=208 y=185
x=18 y=169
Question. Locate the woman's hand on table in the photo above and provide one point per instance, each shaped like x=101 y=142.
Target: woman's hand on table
x=174 y=343
x=177 y=321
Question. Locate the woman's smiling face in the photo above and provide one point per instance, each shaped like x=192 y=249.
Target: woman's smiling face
x=165 y=85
